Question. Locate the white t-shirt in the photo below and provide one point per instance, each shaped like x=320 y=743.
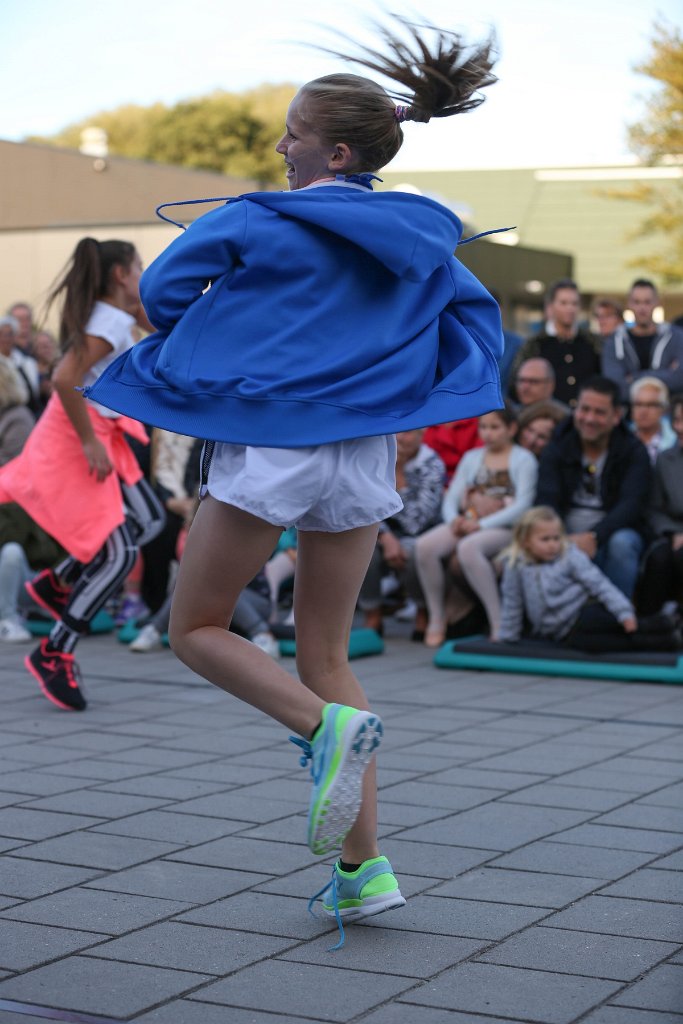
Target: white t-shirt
x=115 y=326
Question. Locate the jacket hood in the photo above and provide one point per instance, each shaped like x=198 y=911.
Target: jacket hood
x=410 y=235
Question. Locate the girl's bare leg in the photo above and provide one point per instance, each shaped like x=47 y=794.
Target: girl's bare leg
x=329 y=572
x=225 y=549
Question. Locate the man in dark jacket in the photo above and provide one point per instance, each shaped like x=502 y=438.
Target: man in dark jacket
x=572 y=351
x=597 y=476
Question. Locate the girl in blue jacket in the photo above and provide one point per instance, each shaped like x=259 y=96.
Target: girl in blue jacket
x=335 y=317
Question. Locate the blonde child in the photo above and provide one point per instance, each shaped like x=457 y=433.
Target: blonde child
x=565 y=597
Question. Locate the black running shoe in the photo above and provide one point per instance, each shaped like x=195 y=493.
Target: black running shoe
x=58 y=677
x=47 y=592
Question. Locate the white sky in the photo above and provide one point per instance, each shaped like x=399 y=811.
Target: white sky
x=566 y=91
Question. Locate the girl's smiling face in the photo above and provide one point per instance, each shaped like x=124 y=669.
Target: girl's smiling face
x=306 y=155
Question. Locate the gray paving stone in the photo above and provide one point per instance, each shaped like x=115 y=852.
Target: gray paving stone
x=432 y=861
x=255 y=854
x=182 y=829
x=98 y=741
x=614 y=916
x=670 y=796
x=28 y=879
x=309 y=880
x=265 y=913
x=95 y=850
x=162 y=757
x=455 y=798
x=643 y=766
x=397 y=1013
x=484 y=778
x=616 y=838
x=95 y=986
x=622 y=1015
x=322 y=993
x=674 y=862
x=189 y=947
x=38 y=783
x=571 y=952
x=642 y=815
x=163 y=786
x=437 y=915
x=649 y=885
x=11 y=844
x=548 y=794
x=662 y=989
x=607 y=776
x=166 y=880
x=183 y=1011
x=95 y=768
x=527 y=888
x=232 y=805
x=224 y=771
x=408 y=815
x=571 y=859
x=27 y=945
x=95 y=802
x=110 y=913
x=408 y=954
x=498 y=826
x=35 y=753
x=506 y=991
x=21 y=823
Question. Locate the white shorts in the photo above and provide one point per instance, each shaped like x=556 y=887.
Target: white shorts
x=328 y=487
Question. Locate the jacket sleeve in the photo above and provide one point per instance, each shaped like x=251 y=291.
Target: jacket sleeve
x=550 y=489
x=512 y=605
x=208 y=249
x=634 y=490
x=524 y=474
x=614 y=368
x=462 y=479
x=671 y=370
x=661 y=516
x=598 y=586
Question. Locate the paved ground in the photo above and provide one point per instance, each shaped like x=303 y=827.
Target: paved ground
x=152 y=866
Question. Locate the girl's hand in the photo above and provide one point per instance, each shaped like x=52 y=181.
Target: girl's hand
x=630 y=625
x=98 y=460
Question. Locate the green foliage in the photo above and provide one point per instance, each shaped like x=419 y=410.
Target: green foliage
x=230 y=133
x=657 y=138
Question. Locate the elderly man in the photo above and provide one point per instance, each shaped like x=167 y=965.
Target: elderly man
x=535 y=382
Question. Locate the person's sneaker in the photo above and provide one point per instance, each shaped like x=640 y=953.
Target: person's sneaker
x=48 y=593
x=267 y=643
x=343 y=747
x=13 y=631
x=148 y=639
x=58 y=677
x=352 y=895
x=132 y=607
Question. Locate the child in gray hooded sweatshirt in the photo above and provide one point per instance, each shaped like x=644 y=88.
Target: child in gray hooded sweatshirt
x=566 y=599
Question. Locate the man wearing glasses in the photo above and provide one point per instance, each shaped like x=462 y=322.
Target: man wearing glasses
x=597 y=476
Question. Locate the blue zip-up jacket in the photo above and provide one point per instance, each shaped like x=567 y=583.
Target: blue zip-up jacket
x=334 y=312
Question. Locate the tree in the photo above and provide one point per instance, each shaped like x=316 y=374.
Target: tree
x=226 y=132
x=657 y=138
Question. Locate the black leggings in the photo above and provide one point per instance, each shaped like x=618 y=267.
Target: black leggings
x=662 y=576
x=96 y=582
x=598 y=631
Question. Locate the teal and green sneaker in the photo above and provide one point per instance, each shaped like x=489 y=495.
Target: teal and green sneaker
x=340 y=752
x=353 y=895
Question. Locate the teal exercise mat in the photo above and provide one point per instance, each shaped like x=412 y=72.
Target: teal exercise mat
x=362 y=643
x=102 y=623
x=535 y=658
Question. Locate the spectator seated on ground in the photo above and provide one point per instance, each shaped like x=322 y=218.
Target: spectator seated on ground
x=419 y=481
x=662 y=575
x=644 y=348
x=597 y=476
x=16 y=420
x=450 y=441
x=536 y=424
x=25 y=549
x=649 y=402
x=572 y=351
x=24 y=364
x=491 y=488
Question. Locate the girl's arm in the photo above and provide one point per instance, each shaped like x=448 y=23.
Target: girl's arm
x=599 y=587
x=68 y=376
x=462 y=479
